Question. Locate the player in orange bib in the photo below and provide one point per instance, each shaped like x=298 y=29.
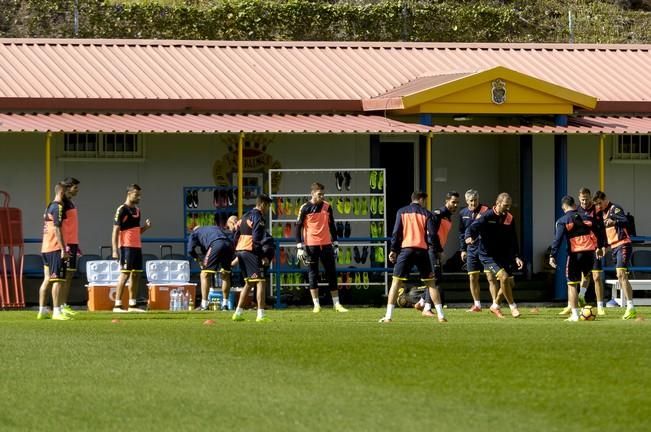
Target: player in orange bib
x=55 y=256
x=126 y=237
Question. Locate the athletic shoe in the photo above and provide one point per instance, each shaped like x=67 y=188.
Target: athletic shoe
x=61 y=317
x=118 y=309
x=357 y=208
x=474 y=308
x=385 y=320
x=566 y=311
x=272 y=206
x=347 y=179
x=195 y=198
x=373 y=230
x=601 y=311
x=237 y=317
x=287 y=230
x=188 y=199
x=357 y=280
x=224 y=308
x=348 y=206
x=364 y=257
x=372 y=178
x=443 y=320
x=630 y=314
x=364 y=206
x=67 y=310
x=279 y=207
x=380 y=180
x=379 y=254
x=496 y=311
x=288 y=207
x=136 y=309
x=262 y=319
x=612 y=303
x=419 y=306
x=340 y=205
x=339 y=180
x=428 y=313
x=43 y=316
x=365 y=280
x=581 y=301
x=316 y=309
x=349 y=255
x=356 y=255
x=572 y=318
x=201 y=309
x=340 y=308
x=515 y=313
x=373 y=205
x=347 y=230
x=340 y=229
x=380 y=205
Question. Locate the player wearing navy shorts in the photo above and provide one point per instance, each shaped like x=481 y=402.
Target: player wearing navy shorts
x=70 y=230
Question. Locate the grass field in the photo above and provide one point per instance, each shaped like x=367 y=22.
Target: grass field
x=331 y=372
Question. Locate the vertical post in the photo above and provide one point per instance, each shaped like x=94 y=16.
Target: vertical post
x=240 y=176
x=602 y=162
x=560 y=189
x=526 y=200
x=48 y=167
x=428 y=169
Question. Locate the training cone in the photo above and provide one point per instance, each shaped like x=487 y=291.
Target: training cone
x=115 y=321
x=209 y=322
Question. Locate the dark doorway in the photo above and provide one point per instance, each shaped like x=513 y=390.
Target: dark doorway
x=398 y=160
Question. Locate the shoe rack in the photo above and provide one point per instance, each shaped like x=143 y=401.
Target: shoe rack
x=358 y=200
x=210 y=205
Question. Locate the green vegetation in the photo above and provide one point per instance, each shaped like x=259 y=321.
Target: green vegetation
x=383 y=20
x=168 y=371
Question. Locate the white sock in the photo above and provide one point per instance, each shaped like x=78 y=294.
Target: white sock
x=629 y=305
x=224 y=301
x=389 y=311
x=315 y=300
x=427 y=307
x=260 y=313
x=513 y=306
x=421 y=302
x=42 y=309
x=495 y=306
x=575 y=312
x=439 y=310
x=582 y=292
x=118 y=303
x=335 y=300
x=204 y=303
x=56 y=310
x=478 y=303
x=239 y=311
x=132 y=302
x=600 y=304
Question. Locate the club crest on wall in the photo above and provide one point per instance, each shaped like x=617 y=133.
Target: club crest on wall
x=498 y=92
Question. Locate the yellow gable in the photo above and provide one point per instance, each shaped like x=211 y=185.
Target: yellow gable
x=494 y=91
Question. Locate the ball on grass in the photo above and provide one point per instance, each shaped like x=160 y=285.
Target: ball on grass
x=535 y=311
x=209 y=322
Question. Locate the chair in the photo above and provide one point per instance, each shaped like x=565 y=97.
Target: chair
x=33 y=265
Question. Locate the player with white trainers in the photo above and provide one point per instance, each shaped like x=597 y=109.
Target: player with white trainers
x=498 y=249
x=410 y=241
x=578 y=231
x=127 y=246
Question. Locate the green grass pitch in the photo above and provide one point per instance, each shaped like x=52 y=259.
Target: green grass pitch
x=327 y=372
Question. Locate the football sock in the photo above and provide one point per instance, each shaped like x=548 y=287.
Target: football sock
x=118 y=303
x=204 y=303
x=224 y=302
x=421 y=302
x=335 y=300
x=239 y=311
x=260 y=313
x=629 y=305
x=600 y=304
x=42 y=309
x=495 y=306
x=56 y=310
x=478 y=303
x=513 y=306
x=315 y=300
x=427 y=307
x=582 y=292
x=389 y=313
x=439 y=310
x=132 y=302
x=575 y=312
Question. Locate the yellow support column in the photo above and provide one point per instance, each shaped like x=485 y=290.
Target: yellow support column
x=48 y=168
x=428 y=169
x=240 y=175
x=602 y=162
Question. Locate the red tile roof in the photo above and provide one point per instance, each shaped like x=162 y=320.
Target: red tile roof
x=211 y=74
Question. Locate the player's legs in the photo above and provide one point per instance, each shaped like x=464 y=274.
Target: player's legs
x=622 y=262
x=314 y=255
x=226 y=287
x=329 y=266
x=396 y=284
x=119 y=289
x=492 y=285
x=261 y=293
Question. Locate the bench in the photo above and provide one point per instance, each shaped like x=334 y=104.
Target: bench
x=636 y=284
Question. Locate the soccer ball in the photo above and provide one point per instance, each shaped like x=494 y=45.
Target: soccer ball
x=588 y=313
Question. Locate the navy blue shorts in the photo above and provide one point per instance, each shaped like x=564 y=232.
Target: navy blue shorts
x=597 y=265
x=409 y=257
x=54 y=266
x=495 y=265
x=251 y=266
x=578 y=264
x=622 y=256
x=473 y=263
x=130 y=259
x=220 y=254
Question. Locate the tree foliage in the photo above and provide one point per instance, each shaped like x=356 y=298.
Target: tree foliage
x=608 y=21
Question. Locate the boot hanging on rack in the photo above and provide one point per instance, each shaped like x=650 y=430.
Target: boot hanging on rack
x=347 y=179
